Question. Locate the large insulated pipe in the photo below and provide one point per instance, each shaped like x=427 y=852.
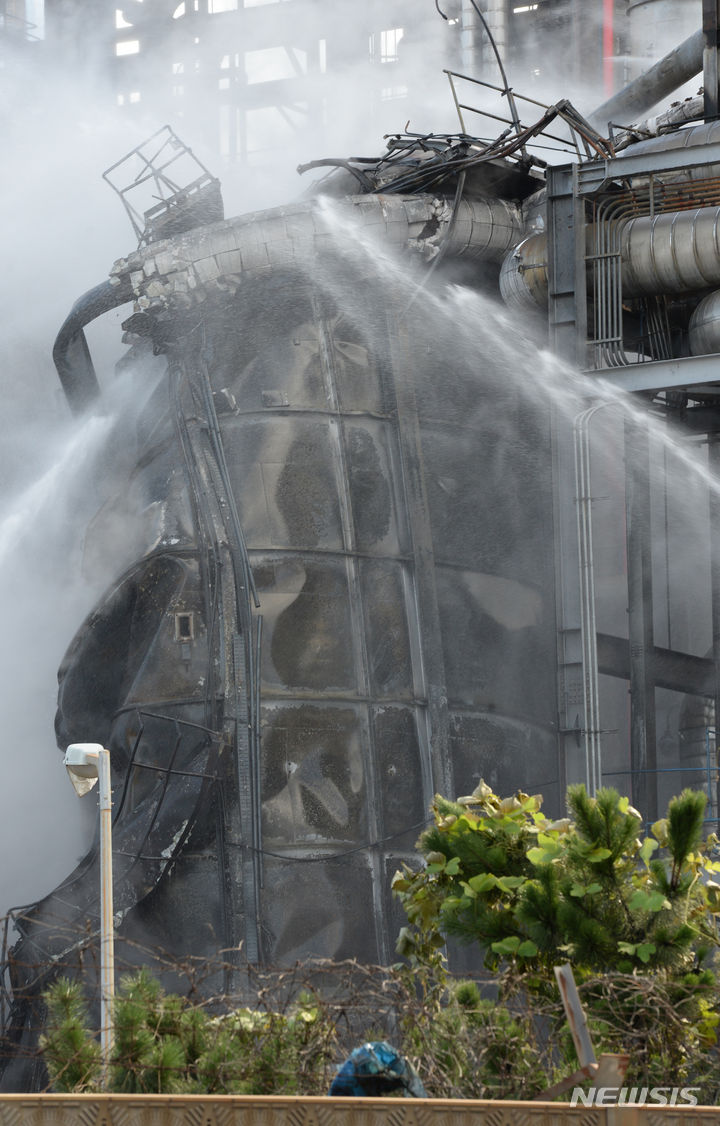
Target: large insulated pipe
x=184 y=270
x=673 y=252
x=682 y=142
x=71 y=353
x=671 y=72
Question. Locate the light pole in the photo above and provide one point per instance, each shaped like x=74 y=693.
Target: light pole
x=88 y=763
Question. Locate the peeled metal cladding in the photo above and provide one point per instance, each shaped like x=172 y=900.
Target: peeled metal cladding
x=188 y=269
x=328 y=620
x=683 y=143
x=190 y=266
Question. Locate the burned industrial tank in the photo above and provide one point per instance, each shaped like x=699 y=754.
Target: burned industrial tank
x=344 y=598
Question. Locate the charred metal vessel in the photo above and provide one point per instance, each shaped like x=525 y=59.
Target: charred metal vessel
x=326 y=623
x=346 y=594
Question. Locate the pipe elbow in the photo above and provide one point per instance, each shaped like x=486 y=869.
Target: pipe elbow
x=71 y=354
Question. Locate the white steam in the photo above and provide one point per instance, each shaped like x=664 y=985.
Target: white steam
x=63 y=228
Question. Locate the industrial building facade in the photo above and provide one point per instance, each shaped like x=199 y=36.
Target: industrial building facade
x=251 y=78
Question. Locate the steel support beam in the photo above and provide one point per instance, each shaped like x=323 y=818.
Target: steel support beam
x=594 y=175
x=567 y=284
x=680 y=672
x=567 y=323
x=640 y=618
x=662 y=375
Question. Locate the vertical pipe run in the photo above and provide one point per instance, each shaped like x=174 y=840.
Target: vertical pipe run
x=588 y=619
x=640 y=614
x=714 y=505
x=711 y=783
x=469 y=39
x=711 y=58
x=608 y=49
x=588 y=626
x=107 y=937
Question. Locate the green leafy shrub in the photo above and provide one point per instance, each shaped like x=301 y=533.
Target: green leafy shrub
x=530 y=890
x=635 y=914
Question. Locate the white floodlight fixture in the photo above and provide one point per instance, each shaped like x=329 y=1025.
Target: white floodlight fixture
x=82 y=764
x=88 y=763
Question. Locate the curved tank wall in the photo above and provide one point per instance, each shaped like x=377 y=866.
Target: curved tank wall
x=394 y=499
x=655 y=27
x=392 y=487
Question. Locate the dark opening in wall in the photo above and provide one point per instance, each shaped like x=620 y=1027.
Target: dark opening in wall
x=184 y=629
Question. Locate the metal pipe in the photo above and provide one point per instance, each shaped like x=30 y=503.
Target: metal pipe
x=690 y=109
x=665 y=253
x=107 y=935
x=671 y=252
x=711 y=59
x=640 y=617
x=676 y=68
x=714 y=527
x=588 y=623
x=704 y=326
x=71 y=354
x=88 y=763
x=183 y=270
x=607 y=266
x=608 y=40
